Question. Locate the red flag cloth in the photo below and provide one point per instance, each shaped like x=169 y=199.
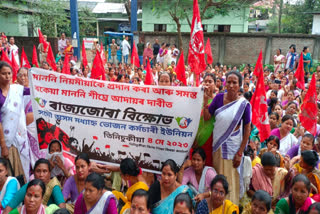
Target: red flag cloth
x=97 y=71
x=35 y=57
x=309 y=109
x=196 y=58
x=24 y=59
x=149 y=78
x=259 y=103
x=50 y=59
x=299 y=74
x=84 y=56
x=4 y=57
x=103 y=57
x=134 y=56
x=66 y=66
x=208 y=52
x=15 y=68
x=181 y=70
x=42 y=41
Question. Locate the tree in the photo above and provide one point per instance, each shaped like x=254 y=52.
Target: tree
x=180 y=10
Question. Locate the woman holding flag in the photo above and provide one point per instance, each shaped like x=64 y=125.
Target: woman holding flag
x=231 y=131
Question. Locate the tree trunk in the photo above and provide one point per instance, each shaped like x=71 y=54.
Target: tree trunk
x=179 y=34
x=280 y=16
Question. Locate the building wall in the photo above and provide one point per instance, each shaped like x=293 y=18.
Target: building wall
x=238 y=19
x=316 y=24
x=239 y=48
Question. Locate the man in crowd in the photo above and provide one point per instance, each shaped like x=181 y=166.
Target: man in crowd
x=140 y=46
x=125 y=49
x=114 y=48
x=62 y=44
x=156 y=48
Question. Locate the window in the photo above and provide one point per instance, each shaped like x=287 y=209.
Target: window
x=30 y=29
x=205 y=28
x=160 y=27
x=222 y=28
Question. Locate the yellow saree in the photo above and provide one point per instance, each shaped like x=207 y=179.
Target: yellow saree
x=226 y=208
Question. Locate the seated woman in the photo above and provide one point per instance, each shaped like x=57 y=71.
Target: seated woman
x=95 y=199
x=287 y=140
x=314 y=209
x=162 y=193
x=308 y=162
x=199 y=175
x=307 y=143
x=8 y=185
x=139 y=202
x=217 y=203
x=130 y=172
x=75 y=184
x=273 y=145
x=183 y=204
x=33 y=200
x=52 y=195
x=268 y=176
x=298 y=201
x=62 y=167
x=260 y=204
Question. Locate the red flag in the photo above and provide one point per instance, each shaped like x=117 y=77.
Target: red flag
x=103 y=57
x=42 y=41
x=66 y=66
x=208 y=52
x=134 y=56
x=299 y=74
x=35 y=57
x=50 y=59
x=84 y=56
x=309 y=109
x=259 y=103
x=24 y=59
x=15 y=68
x=4 y=57
x=196 y=58
x=149 y=78
x=181 y=70
x=97 y=71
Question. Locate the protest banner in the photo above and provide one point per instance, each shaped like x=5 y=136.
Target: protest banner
x=111 y=121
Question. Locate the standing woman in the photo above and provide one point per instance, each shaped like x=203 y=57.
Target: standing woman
x=43 y=52
x=204 y=135
x=8 y=185
x=279 y=60
x=13 y=127
x=147 y=54
x=231 y=132
x=307 y=59
x=68 y=51
x=95 y=199
x=162 y=193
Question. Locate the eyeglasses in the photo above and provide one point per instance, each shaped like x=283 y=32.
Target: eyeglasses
x=217 y=192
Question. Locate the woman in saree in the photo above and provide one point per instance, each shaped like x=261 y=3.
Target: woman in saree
x=279 y=60
x=131 y=173
x=147 y=54
x=43 y=52
x=95 y=199
x=291 y=58
x=299 y=200
x=217 y=203
x=260 y=204
x=75 y=184
x=52 y=194
x=68 y=51
x=307 y=166
x=268 y=177
x=204 y=135
x=13 y=129
x=287 y=140
x=307 y=59
x=231 y=132
x=33 y=200
x=183 y=204
x=62 y=167
x=162 y=193
x=8 y=185
x=273 y=145
x=199 y=175
x=139 y=202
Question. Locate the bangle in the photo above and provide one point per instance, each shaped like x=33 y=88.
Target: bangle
x=239 y=154
x=210 y=194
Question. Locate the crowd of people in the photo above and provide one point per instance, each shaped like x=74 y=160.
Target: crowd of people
x=229 y=171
